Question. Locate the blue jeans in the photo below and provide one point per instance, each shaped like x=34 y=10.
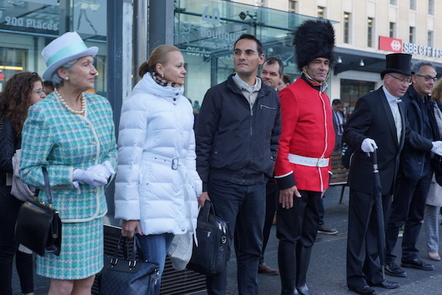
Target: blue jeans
x=155 y=248
x=243 y=207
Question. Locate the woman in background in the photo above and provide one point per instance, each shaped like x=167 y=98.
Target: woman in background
x=157 y=185
x=71 y=133
x=20 y=92
x=434 y=197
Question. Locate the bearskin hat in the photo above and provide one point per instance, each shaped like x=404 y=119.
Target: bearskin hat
x=313 y=39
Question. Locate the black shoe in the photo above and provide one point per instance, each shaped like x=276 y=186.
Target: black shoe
x=365 y=290
x=267 y=270
x=324 y=229
x=417 y=263
x=303 y=290
x=386 y=284
x=392 y=269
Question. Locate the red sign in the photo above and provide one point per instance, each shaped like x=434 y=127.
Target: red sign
x=390 y=44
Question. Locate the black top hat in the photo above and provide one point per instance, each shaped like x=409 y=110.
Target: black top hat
x=397 y=63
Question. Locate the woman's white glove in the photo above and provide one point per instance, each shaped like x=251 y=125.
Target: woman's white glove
x=368 y=145
x=88 y=177
x=104 y=170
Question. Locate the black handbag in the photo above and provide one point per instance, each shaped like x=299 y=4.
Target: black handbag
x=210 y=256
x=38 y=225
x=127 y=272
x=436 y=164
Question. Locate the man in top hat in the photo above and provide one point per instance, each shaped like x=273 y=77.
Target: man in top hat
x=414 y=175
x=377 y=122
x=303 y=161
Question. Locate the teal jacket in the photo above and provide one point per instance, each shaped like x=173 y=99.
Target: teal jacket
x=61 y=141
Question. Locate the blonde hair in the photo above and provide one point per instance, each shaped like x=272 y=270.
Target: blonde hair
x=158 y=56
x=436 y=92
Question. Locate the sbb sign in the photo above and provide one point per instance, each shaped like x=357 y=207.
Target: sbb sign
x=422 y=50
x=390 y=44
x=396 y=45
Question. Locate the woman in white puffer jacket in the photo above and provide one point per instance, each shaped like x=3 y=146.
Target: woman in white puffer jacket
x=157 y=185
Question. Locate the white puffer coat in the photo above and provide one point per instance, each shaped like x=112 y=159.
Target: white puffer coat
x=156 y=180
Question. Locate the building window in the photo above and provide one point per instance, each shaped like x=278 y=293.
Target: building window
x=411 y=36
x=393 y=2
x=293 y=6
x=431 y=7
x=346 y=27
x=413 y=4
x=370 y=32
x=392 y=30
x=321 y=12
x=430 y=39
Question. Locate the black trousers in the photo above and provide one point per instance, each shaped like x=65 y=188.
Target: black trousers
x=362 y=241
x=299 y=224
x=272 y=197
x=9 y=207
x=242 y=207
x=407 y=209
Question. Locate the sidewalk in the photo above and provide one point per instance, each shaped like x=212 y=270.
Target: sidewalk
x=327 y=268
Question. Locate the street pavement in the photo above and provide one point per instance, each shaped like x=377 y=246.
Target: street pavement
x=326 y=275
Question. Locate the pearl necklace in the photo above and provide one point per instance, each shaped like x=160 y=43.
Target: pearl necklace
x=83 y=104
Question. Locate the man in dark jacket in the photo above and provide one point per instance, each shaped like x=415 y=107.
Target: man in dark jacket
x=237 y=138
x=414 y=177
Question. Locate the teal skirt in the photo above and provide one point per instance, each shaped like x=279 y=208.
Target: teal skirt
x=81 y=252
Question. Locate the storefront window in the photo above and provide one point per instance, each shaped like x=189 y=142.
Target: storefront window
x=205 y=31
x=26 y=27
x=352 y=90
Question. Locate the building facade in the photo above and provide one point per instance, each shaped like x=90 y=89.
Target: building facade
x=367 y=30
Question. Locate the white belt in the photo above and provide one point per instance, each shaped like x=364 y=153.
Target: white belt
x=307 y=161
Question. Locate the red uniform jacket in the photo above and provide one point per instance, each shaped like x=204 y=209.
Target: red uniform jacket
x=307 y=130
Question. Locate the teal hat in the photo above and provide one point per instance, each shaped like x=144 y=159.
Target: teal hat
x=66 y=48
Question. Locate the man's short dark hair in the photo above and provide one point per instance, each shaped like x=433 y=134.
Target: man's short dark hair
x=336 y=101
x=48 y=83
x=416 y=67
x=250 y=37
x=271 y=60
x=286 y=79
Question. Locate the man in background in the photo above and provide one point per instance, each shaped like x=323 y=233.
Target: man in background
x=338 y=122
x=414 y=176
x=271 y=74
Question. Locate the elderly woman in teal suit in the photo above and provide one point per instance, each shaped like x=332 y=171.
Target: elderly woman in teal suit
x=72 y=134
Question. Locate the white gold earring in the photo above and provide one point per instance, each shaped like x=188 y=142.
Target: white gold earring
x=66 y=78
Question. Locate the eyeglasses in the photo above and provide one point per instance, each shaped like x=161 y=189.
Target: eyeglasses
x=427 y=78
x=407 y=81
x=39 y=91
x=247 y=52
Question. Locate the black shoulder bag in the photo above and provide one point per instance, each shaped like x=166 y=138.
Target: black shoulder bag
x=210 y=256
x=38 y=225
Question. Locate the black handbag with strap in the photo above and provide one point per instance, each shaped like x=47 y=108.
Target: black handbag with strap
x=128 y=272
x=210 y=256
x=38 y=225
